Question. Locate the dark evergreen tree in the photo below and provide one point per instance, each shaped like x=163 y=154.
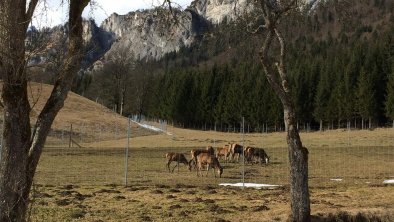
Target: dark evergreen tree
x=366 y=104
x=389 y=103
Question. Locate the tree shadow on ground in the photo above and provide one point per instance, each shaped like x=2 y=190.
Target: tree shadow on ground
x=359 y=217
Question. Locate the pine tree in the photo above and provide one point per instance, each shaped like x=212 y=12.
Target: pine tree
x=366 y=103
x=389 y=103
x=321 y=99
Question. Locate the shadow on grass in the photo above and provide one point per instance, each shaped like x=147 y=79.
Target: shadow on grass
x=346 y=217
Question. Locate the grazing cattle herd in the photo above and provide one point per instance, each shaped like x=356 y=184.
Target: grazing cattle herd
x=210 y=159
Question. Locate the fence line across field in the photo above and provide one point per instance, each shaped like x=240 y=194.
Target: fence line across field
x=331 y=162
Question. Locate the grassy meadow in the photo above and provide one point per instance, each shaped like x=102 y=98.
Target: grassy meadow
x=86 y=183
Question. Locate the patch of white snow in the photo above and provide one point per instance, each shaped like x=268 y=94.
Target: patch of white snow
x=252 y=185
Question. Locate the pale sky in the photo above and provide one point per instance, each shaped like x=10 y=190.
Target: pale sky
x=56 y=13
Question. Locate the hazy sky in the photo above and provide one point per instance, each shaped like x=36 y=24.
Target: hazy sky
x=56 y=13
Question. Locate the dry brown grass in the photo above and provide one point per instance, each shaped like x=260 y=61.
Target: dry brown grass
x=78 y=111
x=194 y=138
x=155 y=195
x=189 y=203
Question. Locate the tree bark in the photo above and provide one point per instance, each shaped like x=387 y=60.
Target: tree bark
x=277 y=77
x=298 y=158
x=321 y=125
x=123 y=95
x=355 y=123
x=298 y=155
x=16 y=134
x=21 y=150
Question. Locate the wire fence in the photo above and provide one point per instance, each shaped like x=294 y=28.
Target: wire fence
x=95 y=155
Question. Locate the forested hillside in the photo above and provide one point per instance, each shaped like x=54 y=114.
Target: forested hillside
x=341 y=62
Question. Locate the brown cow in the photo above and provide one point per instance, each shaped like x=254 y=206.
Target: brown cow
x=195 y=152
x=236 y=150
x=261 y=155
x=258 y=154
x=178 y=158
x=210 y=161
x=223 y=152
x=249 y=154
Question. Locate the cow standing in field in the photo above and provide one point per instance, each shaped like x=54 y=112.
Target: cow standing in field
x=236 y=151
x=178 y=158
x=249 y=154
x=223 y=152
x=195 y=152
x=259 y=154
x=211 y=161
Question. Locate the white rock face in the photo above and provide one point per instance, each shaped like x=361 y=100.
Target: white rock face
x=148 y=35
x=218 y=11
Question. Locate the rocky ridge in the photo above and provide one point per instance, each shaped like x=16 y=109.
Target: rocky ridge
x=150 y=34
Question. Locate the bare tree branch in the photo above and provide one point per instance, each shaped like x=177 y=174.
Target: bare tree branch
x=281 y=66
x=267 y=64
x=298 y=155
x=30 y=11
x=62 y=86
x=34 y=100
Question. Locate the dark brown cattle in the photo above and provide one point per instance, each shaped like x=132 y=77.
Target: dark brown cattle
x=261 y=155
x=249 y=154
x=236 y=151
x=258 y=154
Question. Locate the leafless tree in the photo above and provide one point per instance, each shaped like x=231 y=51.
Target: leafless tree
x=22 y=147
x=119 y=65
x=141 y=81
x=266 y=19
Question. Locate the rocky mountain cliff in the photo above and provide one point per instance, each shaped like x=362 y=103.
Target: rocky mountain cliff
x=218 y=11
x=49 y=44
x=148 y=34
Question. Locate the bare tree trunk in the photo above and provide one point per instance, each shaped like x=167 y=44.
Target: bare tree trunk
x=370 y=123
x=355 y=123
x=321 y=125
x=123 y=95
x=298 y=155
x=16 y=133
x=21 y=149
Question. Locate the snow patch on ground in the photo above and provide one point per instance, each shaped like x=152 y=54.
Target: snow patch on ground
x=253 y=185
x=336 y=179
x=389 y=181
x=149 y=127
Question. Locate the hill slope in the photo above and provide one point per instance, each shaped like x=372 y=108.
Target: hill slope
x=87 y=117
